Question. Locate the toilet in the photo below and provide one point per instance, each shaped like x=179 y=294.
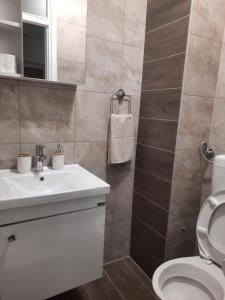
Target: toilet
x=201 y=277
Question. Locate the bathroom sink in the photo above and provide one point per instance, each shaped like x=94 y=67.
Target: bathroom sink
x=52 y=228
x=20 y=190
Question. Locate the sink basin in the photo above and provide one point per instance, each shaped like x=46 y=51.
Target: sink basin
x=20 y=190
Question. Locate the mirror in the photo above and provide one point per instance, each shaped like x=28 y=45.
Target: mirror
x=43 y=39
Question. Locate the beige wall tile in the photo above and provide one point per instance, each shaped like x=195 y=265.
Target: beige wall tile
x=122 y=202
x=108 y=244
x=217 y=134
x=202 y=67
x=71 y=72
x=71 y=40
x=47 y=115
x=124 y=172
x=91 y=155
x=180 y=244
x=103 y=65
x=187 y=181
x=207 y=19
x=92 y=116
x=9 y=113
x=187 y=166
x=120 y=239
x=134 y=25
x=106 y=19
x=132 y=66
x=72 y=11
x=8 y=153
x=220 y=91
x=194 y=121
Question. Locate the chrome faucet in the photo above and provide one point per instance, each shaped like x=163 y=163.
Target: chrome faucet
x=40 y=157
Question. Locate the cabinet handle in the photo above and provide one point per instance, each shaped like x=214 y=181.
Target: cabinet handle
x=11 y=238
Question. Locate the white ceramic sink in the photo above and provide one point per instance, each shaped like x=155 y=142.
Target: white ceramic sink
x=20 y=190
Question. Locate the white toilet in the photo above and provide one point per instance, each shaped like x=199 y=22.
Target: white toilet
x=201 y=277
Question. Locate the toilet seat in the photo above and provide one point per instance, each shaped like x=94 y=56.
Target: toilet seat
x=198 y=277
x=210 y=229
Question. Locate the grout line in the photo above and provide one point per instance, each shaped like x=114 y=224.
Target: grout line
x=163 y=58
x=205 y=38
x=150 y=227
x=147 y=252
x=164 y=89
x=157 y=177
x=122 y=43
x=110 y=262
x=118 y=290
x=156 y=148
x=132 y=271
x=169 y=23
x=167 y=120
x=148 y=199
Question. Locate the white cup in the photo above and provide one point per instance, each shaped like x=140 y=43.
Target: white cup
x=58 y=161
x=24 y=163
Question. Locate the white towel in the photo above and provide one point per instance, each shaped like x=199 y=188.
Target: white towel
x=121 y=138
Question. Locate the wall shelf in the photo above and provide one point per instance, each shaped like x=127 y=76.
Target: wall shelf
x=9 y=25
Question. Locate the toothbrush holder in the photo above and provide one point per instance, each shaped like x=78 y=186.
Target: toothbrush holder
x=24 y=162
x=58 y=161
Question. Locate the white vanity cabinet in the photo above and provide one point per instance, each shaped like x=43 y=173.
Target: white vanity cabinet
x=44 y=257
x=52 y=247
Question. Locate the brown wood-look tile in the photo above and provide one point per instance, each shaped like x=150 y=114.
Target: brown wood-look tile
x=158 y=133
x=163 y=73
x=162 y=104
x=167 y=40
x=130 y=286
x=139 y=273
x=150 y=240
x=161 y=12
x=103 y=289
x=153 y=188
x=144 y=259
x=156 y=162
x=151 y=214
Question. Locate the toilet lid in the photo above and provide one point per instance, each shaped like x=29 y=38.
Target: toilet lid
x=211 y=229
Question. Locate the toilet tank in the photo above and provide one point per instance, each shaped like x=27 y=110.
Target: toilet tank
x=218 y=175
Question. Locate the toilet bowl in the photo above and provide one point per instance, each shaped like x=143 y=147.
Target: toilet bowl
x=189 y=278
x=201 y=277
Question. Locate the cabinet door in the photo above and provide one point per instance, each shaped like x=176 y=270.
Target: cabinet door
x=51 y=255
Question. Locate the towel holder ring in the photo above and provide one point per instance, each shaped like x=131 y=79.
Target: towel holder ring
x=120 y=96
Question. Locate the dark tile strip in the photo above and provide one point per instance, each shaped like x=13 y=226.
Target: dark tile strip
x=148 y=263
x=161 y=12
x=150 y=213
x=167 y=40
x=152 y=188
x=161 y=104
x=156 y=162
x=163 y=73
x=150 y=240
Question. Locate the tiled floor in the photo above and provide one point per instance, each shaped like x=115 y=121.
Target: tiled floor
x=122 y=279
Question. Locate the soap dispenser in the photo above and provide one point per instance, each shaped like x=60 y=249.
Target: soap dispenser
x=58 y=158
